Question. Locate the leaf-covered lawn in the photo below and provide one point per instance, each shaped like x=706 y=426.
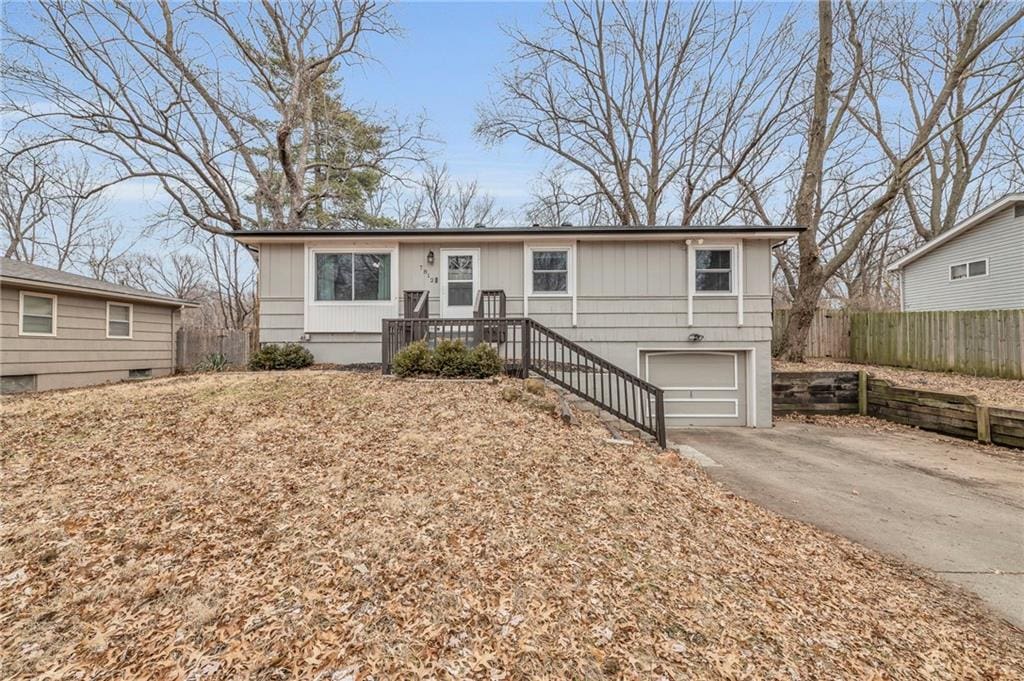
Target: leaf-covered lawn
x=343 y=526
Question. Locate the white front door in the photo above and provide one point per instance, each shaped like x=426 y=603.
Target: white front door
x=460 y=280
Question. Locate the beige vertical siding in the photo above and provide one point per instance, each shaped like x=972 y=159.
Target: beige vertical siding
x=81 y=354
x=630 y=295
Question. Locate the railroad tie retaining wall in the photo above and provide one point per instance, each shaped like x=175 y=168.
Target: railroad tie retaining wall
x=850 y=392
x=821 y=392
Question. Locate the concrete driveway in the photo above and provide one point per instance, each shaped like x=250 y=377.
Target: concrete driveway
x=951 y=507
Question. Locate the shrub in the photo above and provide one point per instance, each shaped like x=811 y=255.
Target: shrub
x=483 y=361
x=277 y=357
x=216 y=362
x=412 y=360
x=449 y=358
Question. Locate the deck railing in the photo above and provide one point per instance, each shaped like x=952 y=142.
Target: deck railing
x=526 y=346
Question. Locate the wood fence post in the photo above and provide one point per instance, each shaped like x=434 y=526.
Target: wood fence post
x=862 y=393
x=984 y=424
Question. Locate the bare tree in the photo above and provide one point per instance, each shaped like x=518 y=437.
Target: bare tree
x=234 y=282
x=840 y=88
x=660 y=108
x=556 y=200
x=25 y=198
x=962 y=168
x=231 y=142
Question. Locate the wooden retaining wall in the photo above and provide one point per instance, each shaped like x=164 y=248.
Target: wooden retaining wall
x=939 y=412
x=829 y=392
x=819 y=392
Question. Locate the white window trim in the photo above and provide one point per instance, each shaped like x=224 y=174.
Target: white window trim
x=311 y=277
x=443 y=277
x=967 y=264
x=131 y=320
x=733 y=258
x=571 y=247
x=569 y=273
x=21 y=314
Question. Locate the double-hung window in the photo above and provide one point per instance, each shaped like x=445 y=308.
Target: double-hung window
x=342 y=277
x=37 y=315
x=550 y=271
x=713 y=270
x=966 y=270
x=119 y=320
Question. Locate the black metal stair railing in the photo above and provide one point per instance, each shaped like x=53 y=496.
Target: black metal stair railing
x=527 y=346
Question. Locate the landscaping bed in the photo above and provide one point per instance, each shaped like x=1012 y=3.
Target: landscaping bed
x=1002 y=392
x=335 y=525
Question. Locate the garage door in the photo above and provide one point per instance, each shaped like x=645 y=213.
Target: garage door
x=701 y=388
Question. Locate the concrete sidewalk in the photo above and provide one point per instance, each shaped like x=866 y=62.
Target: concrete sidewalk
x=951 y=507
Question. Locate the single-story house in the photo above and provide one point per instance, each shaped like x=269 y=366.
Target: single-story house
x=687 y=308
x=976 y=265
x=63 y=330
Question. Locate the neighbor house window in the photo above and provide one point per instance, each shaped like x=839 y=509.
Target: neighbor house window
x=119 y=320
x=38 y=314
x=966 y=270
x=353 y=276
x=713 y=270
x=551 y=271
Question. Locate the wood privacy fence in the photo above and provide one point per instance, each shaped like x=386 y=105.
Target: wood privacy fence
x=829 y=335
x=980 y=342
x=196 y=344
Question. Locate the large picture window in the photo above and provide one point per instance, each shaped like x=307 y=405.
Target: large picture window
x=551 y=271
x=713 y=270
x=38 y=314
x=353 y=276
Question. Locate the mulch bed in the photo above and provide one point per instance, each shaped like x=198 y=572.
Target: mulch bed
x=335 y=525
x=998 y=392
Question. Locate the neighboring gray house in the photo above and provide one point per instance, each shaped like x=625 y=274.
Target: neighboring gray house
x=977 y=265
x=687 y=308
x=62 y=330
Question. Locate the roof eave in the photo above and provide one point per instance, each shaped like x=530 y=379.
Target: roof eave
x=967 y=224
x=96 y=292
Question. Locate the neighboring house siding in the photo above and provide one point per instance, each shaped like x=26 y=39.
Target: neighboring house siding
x=1000 y=240
x=81 y=354
x=631 y=295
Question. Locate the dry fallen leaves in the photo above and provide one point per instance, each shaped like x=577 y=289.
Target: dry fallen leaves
x=333 y=525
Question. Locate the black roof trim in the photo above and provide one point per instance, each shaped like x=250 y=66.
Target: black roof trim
x=517 y=231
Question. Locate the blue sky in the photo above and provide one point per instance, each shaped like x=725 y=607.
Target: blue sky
x=444 y=65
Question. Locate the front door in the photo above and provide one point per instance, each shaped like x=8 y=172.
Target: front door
x=460 y=280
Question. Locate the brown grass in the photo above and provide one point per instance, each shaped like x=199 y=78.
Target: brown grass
x=342 y=526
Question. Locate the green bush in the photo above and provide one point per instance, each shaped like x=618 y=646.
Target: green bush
x=412 y=360
x=483 y=361
x=216 y=362
x=278 y=357
x=449 y=358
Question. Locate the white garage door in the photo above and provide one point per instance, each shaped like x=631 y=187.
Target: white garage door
x=703 y=388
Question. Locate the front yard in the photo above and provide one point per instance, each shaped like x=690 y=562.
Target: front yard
x=338 y=526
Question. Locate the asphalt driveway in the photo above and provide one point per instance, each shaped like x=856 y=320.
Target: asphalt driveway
x=954 y=508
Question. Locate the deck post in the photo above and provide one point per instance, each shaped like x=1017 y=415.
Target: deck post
x=526 y=359
x=385 y=344
x=659 y=410
x=862 y=393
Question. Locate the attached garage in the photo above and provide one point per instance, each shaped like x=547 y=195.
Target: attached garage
x=702 y=387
